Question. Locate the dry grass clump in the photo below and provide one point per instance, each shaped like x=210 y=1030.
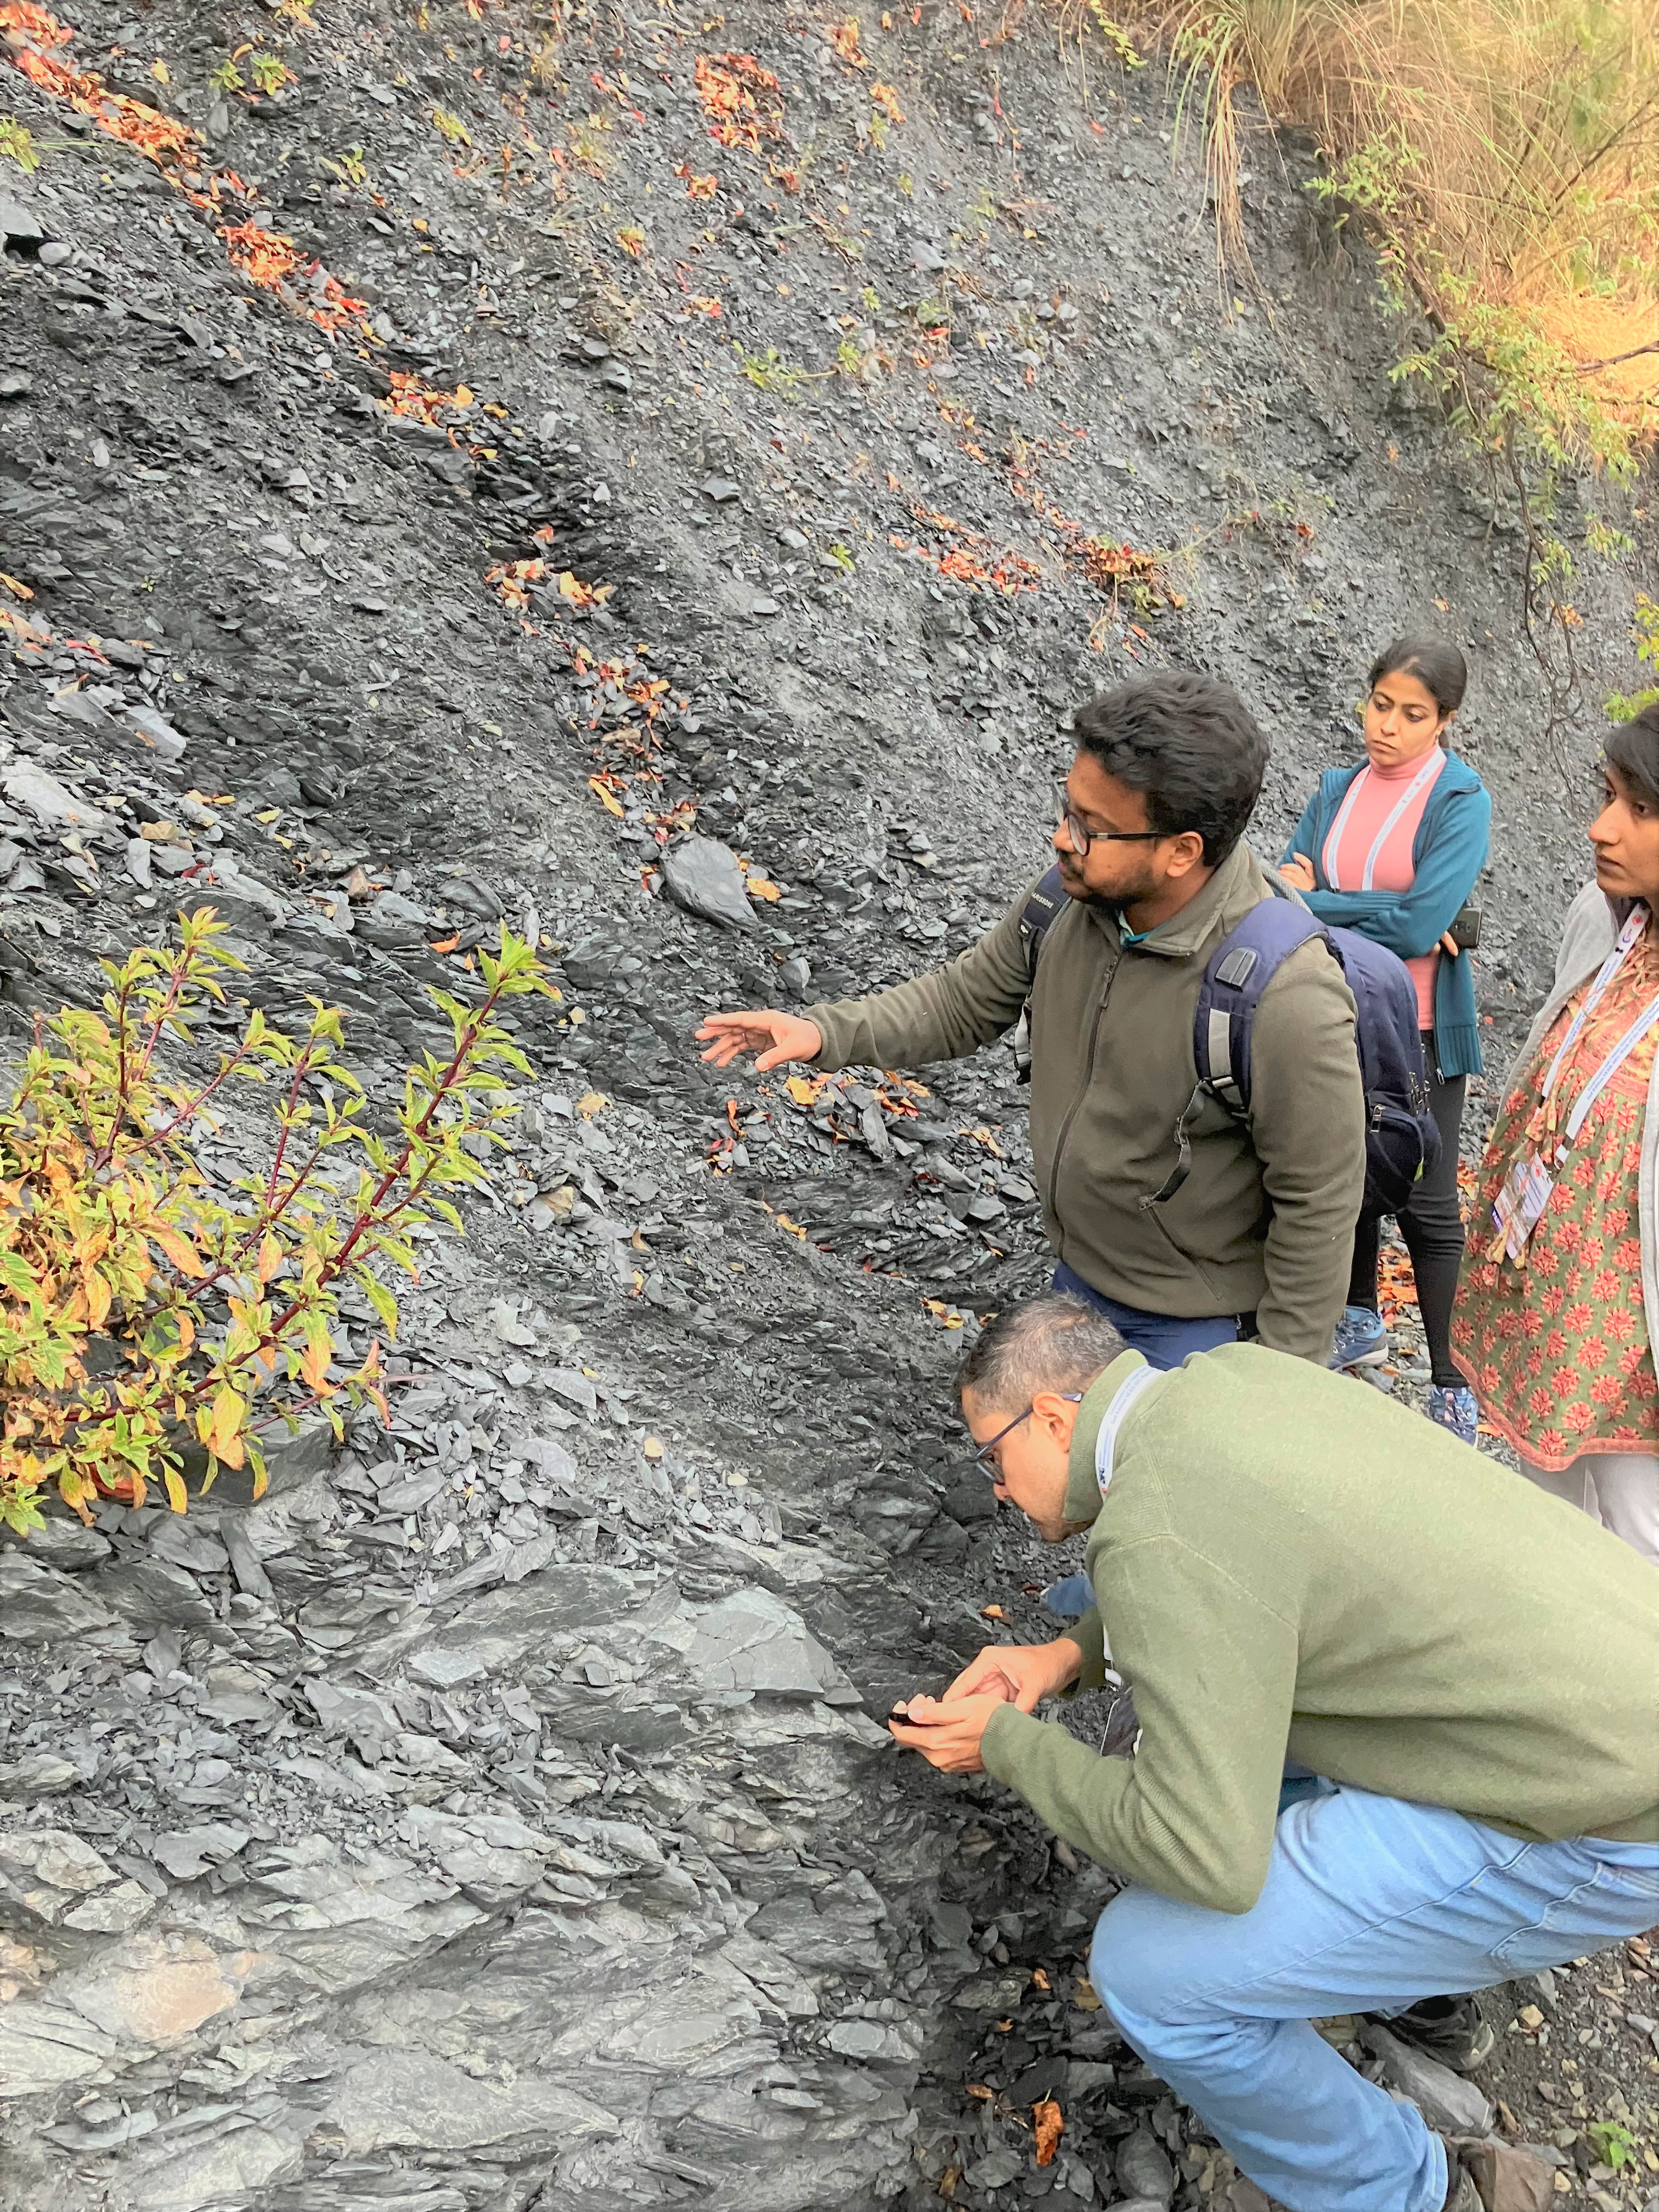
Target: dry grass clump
x=1505 y=155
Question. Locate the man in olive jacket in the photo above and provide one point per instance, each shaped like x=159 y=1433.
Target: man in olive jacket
x=1287 y=1569
x=1258 y=1237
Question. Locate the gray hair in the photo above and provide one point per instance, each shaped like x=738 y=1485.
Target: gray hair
x=1048 y=1344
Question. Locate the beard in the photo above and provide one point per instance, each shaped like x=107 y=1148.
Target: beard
x=1139 y=880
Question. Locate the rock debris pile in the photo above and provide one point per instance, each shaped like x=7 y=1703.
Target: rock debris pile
x=662 y=484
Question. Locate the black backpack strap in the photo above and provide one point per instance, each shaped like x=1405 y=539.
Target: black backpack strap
x=1045 y=902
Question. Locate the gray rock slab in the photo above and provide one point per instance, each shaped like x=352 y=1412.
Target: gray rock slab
x=151 y=1593
x=44 y=2046
x=1144 y=2167
x=391 y=2099
x=52 y=804
x=39 y=1604
x=1449 y=2102
x=187 y=1852
x=704 y=877
x=753 y=1641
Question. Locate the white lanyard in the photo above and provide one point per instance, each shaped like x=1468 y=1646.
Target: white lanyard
x=1627 y=1044
x=1425 y=776
x=1114 y=1417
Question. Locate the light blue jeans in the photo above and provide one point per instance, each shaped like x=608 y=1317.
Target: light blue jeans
x=1370 y=1904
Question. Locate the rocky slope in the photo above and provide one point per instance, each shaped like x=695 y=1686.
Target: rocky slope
x=446 y=458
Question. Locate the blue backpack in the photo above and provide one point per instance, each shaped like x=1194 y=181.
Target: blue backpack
x=1401 y=1140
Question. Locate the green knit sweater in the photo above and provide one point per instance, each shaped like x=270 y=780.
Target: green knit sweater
x=1287 y=1566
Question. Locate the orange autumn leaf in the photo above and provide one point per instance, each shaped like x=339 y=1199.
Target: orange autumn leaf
x=844 y=37
x=1048 y=2125
x=992 y=1612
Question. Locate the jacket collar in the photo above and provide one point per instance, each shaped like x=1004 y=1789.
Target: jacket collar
x=1082 y=1490
x=1186 y=932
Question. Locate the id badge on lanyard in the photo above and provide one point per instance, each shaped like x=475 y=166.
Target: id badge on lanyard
x=1530 y=1183
x=1520 y=1204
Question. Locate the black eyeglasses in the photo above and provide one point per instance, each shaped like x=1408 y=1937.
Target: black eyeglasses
x=983 y=1456
x=1079 y=836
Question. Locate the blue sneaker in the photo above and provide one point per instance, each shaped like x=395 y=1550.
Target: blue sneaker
x=1068 y=1599
x=1455 y=1410
x=1361 y=1338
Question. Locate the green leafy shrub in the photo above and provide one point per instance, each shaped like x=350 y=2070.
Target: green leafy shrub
x=151 y=1322
x=1623 y=705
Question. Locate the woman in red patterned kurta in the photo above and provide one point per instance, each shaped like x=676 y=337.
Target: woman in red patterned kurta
x=1554 y=1326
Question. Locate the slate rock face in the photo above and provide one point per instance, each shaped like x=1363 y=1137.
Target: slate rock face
x=495 y=1815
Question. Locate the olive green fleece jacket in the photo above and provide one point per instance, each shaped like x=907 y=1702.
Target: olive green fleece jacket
x=1264 y=1223
x=1287 y=1566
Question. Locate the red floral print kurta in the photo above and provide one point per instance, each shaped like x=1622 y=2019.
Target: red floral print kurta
x=1556 y=1349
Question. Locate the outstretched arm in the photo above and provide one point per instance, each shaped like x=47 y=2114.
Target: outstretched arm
x=945 y=1015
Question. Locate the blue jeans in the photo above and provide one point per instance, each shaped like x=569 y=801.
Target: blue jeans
x=1370 y=1903
x=1164 y=1339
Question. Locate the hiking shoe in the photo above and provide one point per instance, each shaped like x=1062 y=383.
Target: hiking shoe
x=1361 y=1338
x=1454 y=1410
x=1461 y=2195
x=1450 y=2029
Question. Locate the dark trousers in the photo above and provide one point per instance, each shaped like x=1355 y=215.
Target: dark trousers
x=1432 y=1224
x=1163 y=1339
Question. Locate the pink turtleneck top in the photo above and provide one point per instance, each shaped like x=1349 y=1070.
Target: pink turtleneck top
x=1369 y=846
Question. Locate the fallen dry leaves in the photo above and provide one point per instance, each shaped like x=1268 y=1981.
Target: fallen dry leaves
x=741 y=101
x=269 y=259
x=1047 y=2123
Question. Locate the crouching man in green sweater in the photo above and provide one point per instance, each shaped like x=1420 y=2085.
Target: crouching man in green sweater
x=1289 y=1568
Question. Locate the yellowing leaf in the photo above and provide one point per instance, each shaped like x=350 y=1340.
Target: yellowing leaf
x=270 y=1255
x=230 y=1412
x=606 y=797
x=594 y=1103
x=763 y=887
x=804 y=1092
x=178 y=1249
x=97 y=1297
x=794 y=1227
x=320 y=1349
x=178 y=1496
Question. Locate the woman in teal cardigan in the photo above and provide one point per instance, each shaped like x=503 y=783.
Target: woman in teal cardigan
x=1392 y=847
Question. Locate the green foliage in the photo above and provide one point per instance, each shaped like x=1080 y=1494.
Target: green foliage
x=226 y=78
x=271 y=72
x=1613 y=2143
x=1114 y=34
x=1501 y=157
x=1623 y=705
x=350 y=167
x=769 y=372
x=150 y=1321
x=18 y=141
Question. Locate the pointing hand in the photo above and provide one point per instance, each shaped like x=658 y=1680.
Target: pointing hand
x=773 y=1037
